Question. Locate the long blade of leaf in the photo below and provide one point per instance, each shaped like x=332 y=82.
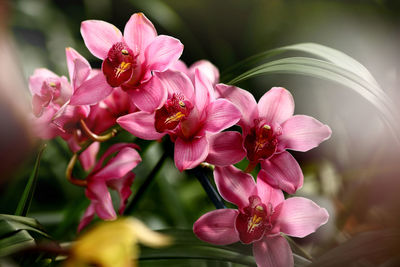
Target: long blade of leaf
x=332 y=55
x=329 y=71
x=11 y=223
x=12 y=243
x=187 y=246
x=26 y=198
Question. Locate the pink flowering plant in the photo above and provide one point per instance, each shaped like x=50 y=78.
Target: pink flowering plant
x=143 y=95
x=262 y=215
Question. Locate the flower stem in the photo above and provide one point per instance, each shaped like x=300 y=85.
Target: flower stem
x=110 y=132
x=198 y=172
x=68 y=172
x=147 y=182
x=95 y=137
x=298 y=249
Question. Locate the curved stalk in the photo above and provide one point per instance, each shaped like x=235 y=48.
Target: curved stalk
x=68 y=173
x=95 y=137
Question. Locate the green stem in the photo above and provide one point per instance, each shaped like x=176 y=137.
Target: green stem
x=26 y=199
x=198 y=172
x=147 y=182
x=297 y=249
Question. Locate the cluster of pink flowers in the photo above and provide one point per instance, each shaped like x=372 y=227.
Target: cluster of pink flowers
x=145 y=89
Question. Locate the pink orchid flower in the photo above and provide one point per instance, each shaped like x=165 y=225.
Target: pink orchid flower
x=129 y=60
x=102 y=116
x=191 y=116
x=49 y=93
x=269 y=128
x=262 y=215
x=51 y=96
x=115 y=174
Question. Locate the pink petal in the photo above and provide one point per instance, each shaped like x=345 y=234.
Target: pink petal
x=192 y=126
x=68 y=116
x=234 y=185
x=300 y=217
x=276 y=105
x=282 y=171
x=303 y=133
x=180 y=66
x=126 y=159
x=204 y=92
x=176 y=82
x=162 y=53
x=140 y=124
x=243 y=100
x=40 y=102
x=101 y=198
x=225 y=148
x=123 y=187
x=217 y=227
x=221 y=114
x=99 y=36
x=88 y=157
x=91 y=91
x=149 y=96
x=37 y=79
x=87 y=217
x=81 y=73
x=139 y=32
x=273 y=252
x=73 y=55
x=65 y=90
x=42 y=126
x=189 y=154
x=207 y=68
x=111 y=150
x=267 y=193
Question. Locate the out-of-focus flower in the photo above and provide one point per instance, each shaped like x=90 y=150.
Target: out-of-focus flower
x=129 y=60
x=51 y=97
x=114 y=244
x=262 y=215
x=191 y=116
x=115 y=174
x=269 y=128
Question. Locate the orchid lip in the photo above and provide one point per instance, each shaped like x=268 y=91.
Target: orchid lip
x=119 y=65
x=175 y=117
x=169 y=116
x=254 y=221
x=122 y=68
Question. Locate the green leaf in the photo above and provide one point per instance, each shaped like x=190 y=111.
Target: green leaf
x=334 y=73
x=12 y=223
x=329 y=54
x=336 y=57
x=334 y=66
x=186 y=246
x=26 y=198
x=14 y=242
x=15 y=233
